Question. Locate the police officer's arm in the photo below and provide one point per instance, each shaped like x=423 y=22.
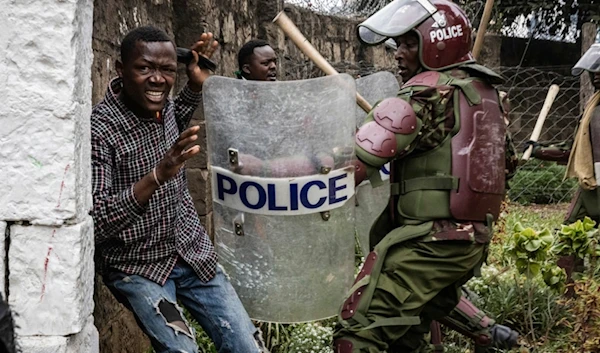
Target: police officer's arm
x=292 y=166
x=558 y=152
x=388 y=132
x=512 y=157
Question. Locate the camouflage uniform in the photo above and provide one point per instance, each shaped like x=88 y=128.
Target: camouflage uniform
x=417 y=266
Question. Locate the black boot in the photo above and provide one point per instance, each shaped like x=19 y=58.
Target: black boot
x=503 y=337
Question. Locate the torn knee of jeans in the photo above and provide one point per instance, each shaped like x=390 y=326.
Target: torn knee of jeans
x=174 y=318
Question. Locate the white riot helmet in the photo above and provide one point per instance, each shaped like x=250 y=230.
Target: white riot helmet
x=590 y=61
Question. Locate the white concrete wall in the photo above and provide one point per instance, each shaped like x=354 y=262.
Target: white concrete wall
x=2 y=258
x=51 y=278
x=45 y=194
x=45 y=77
x=84 y=341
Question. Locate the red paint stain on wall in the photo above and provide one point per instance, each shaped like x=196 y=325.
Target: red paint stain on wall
x=46 y=262
x=62 y=185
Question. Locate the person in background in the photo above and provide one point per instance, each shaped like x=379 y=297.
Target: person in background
x=257 y=61
x=581 y=155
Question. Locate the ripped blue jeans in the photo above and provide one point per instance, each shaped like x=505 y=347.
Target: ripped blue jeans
x=214 y=304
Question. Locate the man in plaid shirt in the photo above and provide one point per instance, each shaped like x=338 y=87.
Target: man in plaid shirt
x=151 y=247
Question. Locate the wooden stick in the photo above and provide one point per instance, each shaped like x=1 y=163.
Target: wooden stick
x=304 y=45
x=485 y=19
x=537 y=130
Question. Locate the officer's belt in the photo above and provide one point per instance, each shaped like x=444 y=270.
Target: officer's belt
x=424 y=183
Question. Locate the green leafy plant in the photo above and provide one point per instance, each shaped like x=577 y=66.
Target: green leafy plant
x=275 y=335
x=529 y=248
x=554 y=277
x=499 y=292
x=579 y=239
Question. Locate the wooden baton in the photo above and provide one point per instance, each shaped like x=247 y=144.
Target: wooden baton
x=537 y=130
x=304 y=45
x=485 y=19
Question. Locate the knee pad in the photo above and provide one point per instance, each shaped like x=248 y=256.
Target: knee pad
x=342 y=346
x=350 y=304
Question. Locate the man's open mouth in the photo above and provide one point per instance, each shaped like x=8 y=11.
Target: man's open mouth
x=155 y=96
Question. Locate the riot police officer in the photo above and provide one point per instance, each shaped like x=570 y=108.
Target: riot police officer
x=445 y=137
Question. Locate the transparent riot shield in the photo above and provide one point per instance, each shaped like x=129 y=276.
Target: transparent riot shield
x=282 y=189
x=371 y=201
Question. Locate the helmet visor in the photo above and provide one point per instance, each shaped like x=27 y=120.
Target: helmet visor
x=590 y=61
x=396 y=18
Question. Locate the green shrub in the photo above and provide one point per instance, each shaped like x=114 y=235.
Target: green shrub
x=541 y=183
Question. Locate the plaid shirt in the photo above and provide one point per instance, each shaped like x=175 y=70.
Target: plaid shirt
x=135 y=239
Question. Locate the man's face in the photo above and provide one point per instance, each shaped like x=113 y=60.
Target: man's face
x=407 y=55
x=595 y=77
x=148 y=76
x=262 y=65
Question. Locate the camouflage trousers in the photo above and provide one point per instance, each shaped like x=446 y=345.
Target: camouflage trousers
x=584 y=203
x=407 y=281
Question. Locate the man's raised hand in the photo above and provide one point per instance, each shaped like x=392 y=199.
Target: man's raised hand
x=205 y=46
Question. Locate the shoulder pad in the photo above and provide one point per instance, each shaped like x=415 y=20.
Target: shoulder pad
x=376 y=140
x=427 y=78
x=482 y=71
x=396 y=115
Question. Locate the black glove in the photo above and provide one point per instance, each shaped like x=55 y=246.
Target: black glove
x=531 y=143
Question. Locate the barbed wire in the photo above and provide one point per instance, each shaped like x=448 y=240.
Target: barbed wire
x=361 y=8
x=342 y=8
x=522 y=27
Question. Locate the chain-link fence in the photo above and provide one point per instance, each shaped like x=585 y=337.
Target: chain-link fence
x=538 y=181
